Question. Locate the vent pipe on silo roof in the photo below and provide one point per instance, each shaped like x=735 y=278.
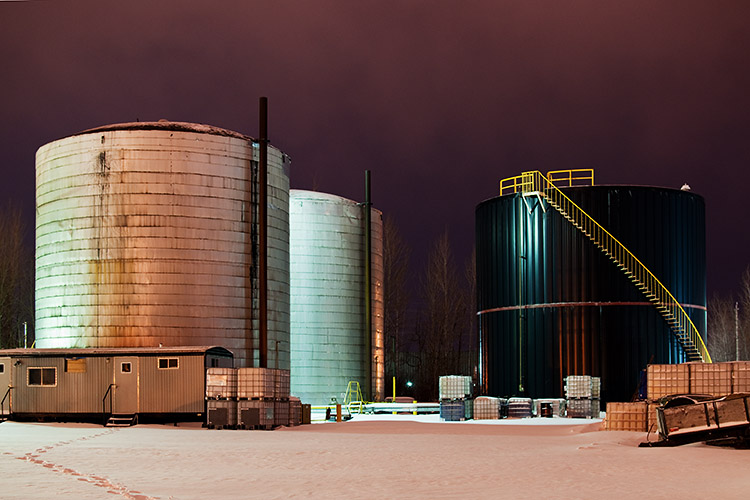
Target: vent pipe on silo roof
x=263 y=234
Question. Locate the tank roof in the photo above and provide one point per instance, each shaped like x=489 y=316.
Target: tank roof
x=318 y=196
x=566 y=189
x=304 y=194
x=168 y=125
x=116 y=351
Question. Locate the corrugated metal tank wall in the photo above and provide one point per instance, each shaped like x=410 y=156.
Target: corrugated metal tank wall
x=551 y=304
x=144 y=236
x=327 y=297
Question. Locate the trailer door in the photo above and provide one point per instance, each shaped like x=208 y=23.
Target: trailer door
x=125 y=397
x=5 y=386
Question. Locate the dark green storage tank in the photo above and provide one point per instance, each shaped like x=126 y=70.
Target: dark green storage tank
x=552 y=304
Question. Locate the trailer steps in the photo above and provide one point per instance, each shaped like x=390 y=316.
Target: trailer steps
x=121 y=420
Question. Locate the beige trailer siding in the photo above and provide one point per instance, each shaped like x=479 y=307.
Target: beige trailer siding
x=72 y=392
x=5 y=383
x=170 y=389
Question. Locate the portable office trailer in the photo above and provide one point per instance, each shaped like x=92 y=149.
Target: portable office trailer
x=4 y=386
x=164 y=383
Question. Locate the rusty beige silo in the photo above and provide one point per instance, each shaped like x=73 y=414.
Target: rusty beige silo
x=146 y=235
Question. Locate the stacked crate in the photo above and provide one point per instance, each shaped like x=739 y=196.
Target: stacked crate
x=557 y=406
x=221 y=398
x=486 y=408
x=741 y=377
x=665 y=380
x=454 y=387
x=455 y=394
x=519 y=407
x=710 y=378
x=651 y=425
x=295 y=411
x=456 y=410
x=626 y=417
x=282 y=406
x=262 y=398
x=582 y=394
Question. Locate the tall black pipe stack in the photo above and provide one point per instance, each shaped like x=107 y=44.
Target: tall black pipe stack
x=368 y=289
x=263 y=233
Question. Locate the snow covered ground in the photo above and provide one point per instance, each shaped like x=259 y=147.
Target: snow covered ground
x=388 y=456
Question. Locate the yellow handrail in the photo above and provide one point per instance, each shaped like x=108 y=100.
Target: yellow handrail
x=664 y=301
x=570 y=178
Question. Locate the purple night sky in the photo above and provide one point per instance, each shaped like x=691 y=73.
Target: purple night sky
x=439 y=99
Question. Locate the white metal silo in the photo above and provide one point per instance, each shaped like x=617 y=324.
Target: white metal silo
x=145 y=236
x=327 y=256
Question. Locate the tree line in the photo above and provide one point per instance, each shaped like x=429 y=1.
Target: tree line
x=728 y=336
x=429 y=325
x=16 y=279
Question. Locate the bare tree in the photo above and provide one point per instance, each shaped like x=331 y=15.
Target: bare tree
x=472 y=348
x=744 y=323
x=396 y=255
x=443 y=333
x=16 y=278
x=721 y=328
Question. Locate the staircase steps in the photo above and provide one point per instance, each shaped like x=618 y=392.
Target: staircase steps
x=121 y=420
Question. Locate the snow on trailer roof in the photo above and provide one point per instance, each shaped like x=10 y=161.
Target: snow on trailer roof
x=117 y=351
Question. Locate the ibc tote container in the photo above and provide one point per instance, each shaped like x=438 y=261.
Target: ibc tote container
x=486 y=408
x=519 y=407
x=221 y=383
x=578 y=386
x=221 y=413
x=456 y=410
x=281 y=384
x=281 y=413
x=256 y=383
x=255 y=414
x=454 y=387
x=583 y=408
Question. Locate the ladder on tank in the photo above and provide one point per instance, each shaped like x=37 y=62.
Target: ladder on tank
x=535 y=184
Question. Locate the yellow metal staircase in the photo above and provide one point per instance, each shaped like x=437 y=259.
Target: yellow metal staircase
x=535 y=184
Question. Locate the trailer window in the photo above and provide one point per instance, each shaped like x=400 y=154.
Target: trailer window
x=41 y=376
x=126 y=367
x=2 y=367
x=168 y=363
x=75 y=365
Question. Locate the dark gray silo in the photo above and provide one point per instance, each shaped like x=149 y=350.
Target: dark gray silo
x=552 y=304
